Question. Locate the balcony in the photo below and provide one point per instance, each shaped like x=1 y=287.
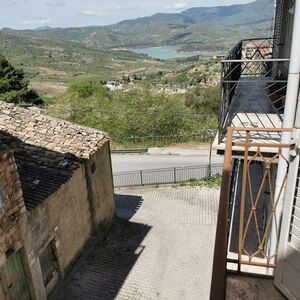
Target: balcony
x=253 y=89
x=249 y=216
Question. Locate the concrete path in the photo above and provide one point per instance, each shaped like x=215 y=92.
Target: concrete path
x=161 y=249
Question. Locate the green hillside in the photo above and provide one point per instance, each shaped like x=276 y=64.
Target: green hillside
x=72 y=59
x=52 y=64
x=196 y=28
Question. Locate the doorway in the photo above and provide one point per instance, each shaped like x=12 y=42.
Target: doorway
x=13 y=279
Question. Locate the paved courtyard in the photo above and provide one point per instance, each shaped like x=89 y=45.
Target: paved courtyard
x=161 y=247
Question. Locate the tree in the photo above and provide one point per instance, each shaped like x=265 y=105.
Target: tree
x=14 y=85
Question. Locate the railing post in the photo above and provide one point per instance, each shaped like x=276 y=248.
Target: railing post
x=175 y=175
x=221 y=102
x=243 y=199
x=218 y=282
x=141 y=177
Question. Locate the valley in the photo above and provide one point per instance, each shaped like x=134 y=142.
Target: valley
x=195 y=29
x=149 y=81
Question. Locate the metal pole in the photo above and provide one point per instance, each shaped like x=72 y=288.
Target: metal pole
x=218 y=282
x=174 y=175
x=141 y=177
x=288 y=122
x=243 y=199
x=209 y=161
x=210 y=135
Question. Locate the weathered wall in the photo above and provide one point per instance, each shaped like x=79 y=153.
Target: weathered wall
x=69 y=216
x=12 y=214
x=101 y=185
x=65 y=218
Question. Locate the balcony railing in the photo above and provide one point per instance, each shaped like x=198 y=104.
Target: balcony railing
x=252 y=82
x=248 y=226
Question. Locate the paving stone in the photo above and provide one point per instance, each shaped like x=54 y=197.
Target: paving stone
x=162 y=249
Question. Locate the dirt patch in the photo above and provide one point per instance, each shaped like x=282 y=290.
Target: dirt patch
x=248 y=288
x=50 y=72
x=49 y=89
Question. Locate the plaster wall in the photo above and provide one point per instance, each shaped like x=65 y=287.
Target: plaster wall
x=69 y=216
x=63 y=219
x=101 y=185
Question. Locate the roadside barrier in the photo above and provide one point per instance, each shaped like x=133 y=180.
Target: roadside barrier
x=165 y=175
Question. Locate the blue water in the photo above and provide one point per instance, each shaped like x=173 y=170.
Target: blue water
x=166 y=52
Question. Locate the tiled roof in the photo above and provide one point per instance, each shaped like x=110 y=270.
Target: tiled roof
x=38 y=183
x=35 y=128
x=46 y=150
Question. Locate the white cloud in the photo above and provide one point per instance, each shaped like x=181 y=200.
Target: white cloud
x=177 y=6
x=36 y=22
x=92 y=13
x=55 y=3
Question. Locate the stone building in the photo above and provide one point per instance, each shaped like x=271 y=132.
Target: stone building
x=55 y=190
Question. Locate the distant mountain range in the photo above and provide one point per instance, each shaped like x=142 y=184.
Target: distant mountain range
x=200 y=28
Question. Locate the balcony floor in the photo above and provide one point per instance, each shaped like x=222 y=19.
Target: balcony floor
x=251 y=97
x=251 y=107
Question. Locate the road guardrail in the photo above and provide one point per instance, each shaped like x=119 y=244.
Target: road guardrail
x=165 y=175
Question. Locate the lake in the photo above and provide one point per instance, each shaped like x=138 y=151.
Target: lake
x=167 y=52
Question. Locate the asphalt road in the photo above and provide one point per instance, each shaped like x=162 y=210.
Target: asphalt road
x=134 y=162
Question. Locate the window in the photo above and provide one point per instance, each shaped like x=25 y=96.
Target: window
x=49 y=267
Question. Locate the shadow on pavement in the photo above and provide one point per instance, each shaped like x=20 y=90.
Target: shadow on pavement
x=101 y=273
x=127 y=205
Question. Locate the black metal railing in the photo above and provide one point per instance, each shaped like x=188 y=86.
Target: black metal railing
x=250 y=71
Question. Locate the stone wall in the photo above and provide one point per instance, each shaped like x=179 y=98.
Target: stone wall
x=12 y=212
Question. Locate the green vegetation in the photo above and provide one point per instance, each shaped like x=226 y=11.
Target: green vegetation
x=14 y=85
x=63 y=61
x=204 y=99
x=197 y=73
x=172 y=101
x=137 y=112
x=211 y=182
x=148 y=112
x=51 y=65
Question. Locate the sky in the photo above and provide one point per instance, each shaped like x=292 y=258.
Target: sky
x=22 y=14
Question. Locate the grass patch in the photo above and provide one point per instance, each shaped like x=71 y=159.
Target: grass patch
x=212 y=182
